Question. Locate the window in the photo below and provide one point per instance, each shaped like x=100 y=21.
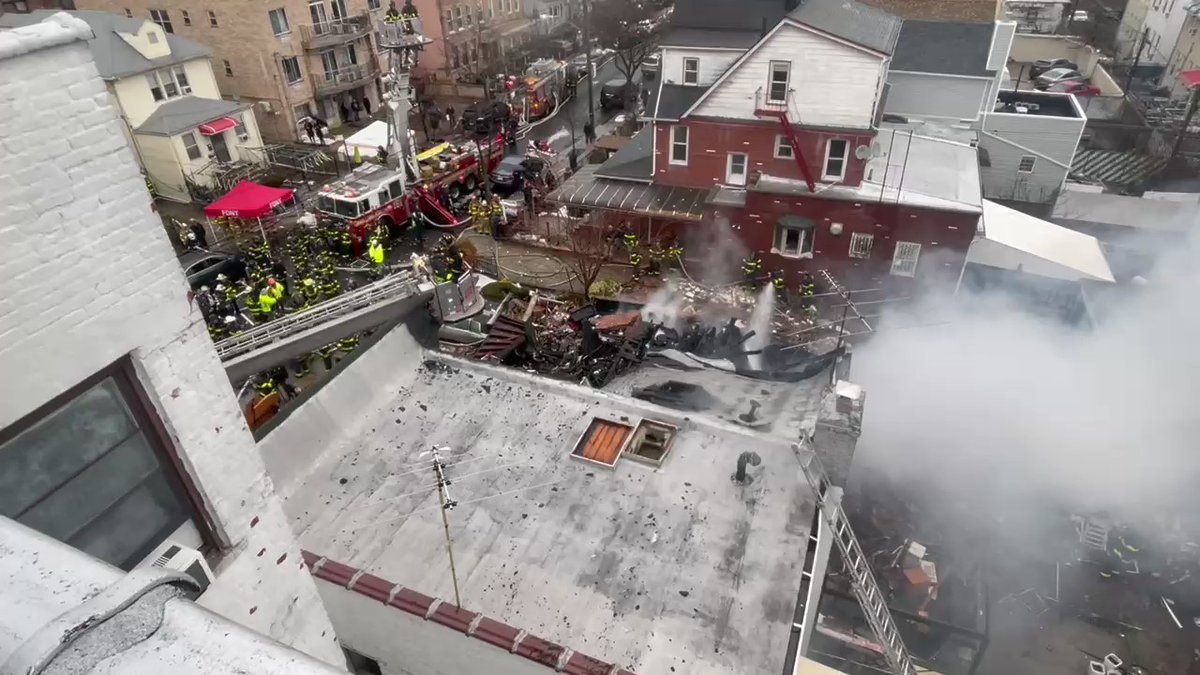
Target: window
x=228 y=68
x=837 y=151
x=128 y=13
x=152 y=36
x=187 y=17
x=783 y=149
x=160 y=17
x=212 y=18
x=458 y=20
x=351 y=55
x=794 y=237
x=1027 y=164
x=735 y=168
x=679 y=144
x=860 y=244
x=291 y=70
x=189 y=144
x=279 y=21
x=240 y=127
x=372 y=4
x=395 y=190
x=91 y=470
x=168 y=83
x=904 y=260
x=691 y=71
x=777 y=87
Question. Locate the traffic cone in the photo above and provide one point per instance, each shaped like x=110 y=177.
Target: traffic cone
x=357 y=155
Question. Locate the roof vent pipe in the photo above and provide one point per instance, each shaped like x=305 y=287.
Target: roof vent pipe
x=745 y=458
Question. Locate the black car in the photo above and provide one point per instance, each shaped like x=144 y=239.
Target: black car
x=203 y=267
x=510 y=174
x=612 y=94
x=1042 y=65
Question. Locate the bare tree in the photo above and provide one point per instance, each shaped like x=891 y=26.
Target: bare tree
x=591 y=249
x=629 y=28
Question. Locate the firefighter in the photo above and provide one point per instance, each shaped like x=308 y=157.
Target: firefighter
x=807 y=289
x=479 y=214
x=347 y=344
x=631 y=241
x=309 y=292
x=326 y=353
x=204 y=300
x=375 y=251
x=392 y=15
x=300 y=367
x=233 y=324
x=675 y=252
x=216 y=331
x=254 y=305
x=496 y=212
x=779 y=284
x=266 y=387
x=751 y=268
x=275 y=289
x=635 y=260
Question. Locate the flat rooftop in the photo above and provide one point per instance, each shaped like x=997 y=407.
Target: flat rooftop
x=658 y=569
x=1040 y=103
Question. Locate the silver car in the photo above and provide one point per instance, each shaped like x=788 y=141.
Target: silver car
x=1056 y=76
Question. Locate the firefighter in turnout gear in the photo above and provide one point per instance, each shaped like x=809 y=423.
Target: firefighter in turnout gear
x=254 y=305
x=326 y=353
x=751 y=268
x=375 y=252
x=779 y=283
x=479 y=215
x=347 y=344
x=631 y=241
x=309 y=292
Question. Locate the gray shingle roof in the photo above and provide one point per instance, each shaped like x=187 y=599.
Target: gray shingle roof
x=943 y=47
x=114 y=57
x=708 y=37
x=756 y=16
x=635 y=161
x=672 y=100
x=186 y=113
x=850 y=20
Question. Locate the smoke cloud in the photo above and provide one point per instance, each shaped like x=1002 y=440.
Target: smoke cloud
x=979 y=398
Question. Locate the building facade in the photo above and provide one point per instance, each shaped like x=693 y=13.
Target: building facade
x=184 y=135
x=472 y=38
x=779 y=140
x=1037 y=16
x=1153 y=28
x=125 y=434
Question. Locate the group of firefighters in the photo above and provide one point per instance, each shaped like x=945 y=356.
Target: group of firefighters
x=806 y=289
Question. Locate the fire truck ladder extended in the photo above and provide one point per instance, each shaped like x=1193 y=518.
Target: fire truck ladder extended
x=764 y=106
x=298 y=334
x=870 y=598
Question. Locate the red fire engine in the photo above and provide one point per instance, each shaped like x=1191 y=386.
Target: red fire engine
x=545 y=81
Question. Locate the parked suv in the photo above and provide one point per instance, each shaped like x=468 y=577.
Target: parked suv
x=612 y=94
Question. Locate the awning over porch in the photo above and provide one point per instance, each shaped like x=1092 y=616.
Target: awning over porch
x=1023 y=243
x=248 y=200
x=189 y=112
x=586 y=190
x=217 y=126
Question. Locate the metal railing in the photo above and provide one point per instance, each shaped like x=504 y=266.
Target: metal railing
x=764 y=102
x=345 y=77
x=401 y=284
x=335 y=31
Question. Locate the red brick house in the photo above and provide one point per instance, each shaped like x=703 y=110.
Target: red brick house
x=767 y=121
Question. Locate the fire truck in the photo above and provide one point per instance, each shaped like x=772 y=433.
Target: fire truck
x=545 y=84
x=374 y=195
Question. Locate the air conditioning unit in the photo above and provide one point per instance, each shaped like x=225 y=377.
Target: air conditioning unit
x=172 y=556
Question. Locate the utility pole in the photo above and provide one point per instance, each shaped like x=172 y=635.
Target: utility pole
x=1137 y=58
x=443 y=487
x=591 y=74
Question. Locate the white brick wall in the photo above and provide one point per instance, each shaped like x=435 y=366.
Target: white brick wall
x=87 y=276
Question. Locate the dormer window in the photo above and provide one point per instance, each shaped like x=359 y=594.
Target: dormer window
x=152 y=36
x=691 y=71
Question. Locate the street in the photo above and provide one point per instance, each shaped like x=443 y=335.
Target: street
x=557 y=129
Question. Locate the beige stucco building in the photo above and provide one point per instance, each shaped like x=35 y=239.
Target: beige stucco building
x=182 y=132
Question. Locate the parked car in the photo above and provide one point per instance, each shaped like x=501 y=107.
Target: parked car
x=510 y=174
x=651 y=66
x=1042 y=65
x=1077 y=87
x=202 y=267
x=1056 y=76
x=612 y=94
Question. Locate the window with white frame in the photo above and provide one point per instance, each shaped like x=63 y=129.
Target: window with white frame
x=679 y=144
x=783 y=149
x=1027 y=164
x=860 y=244
x=160 y=17
x=193 y=148
x=691 y=71
x=240 y=127
x=735 y=168
x=291 y=70
x=777 y=85
x=279 y=21
x=168 y=83
x=904 y=260
x=837 y=153
x=187 y=17
x=794 y=237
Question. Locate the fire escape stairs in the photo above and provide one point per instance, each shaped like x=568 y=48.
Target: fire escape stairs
x=766 y=107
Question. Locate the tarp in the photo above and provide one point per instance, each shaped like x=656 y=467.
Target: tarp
x=248 y=200
x=1023 y=243
x=367 y=140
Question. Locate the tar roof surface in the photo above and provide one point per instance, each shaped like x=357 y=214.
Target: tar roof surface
x=671 y=101
x=114 y=57
x=856 y=22
x=943 y=47
x=675 y=568
x=711 y=38
x=753 y=16
x=635 y=161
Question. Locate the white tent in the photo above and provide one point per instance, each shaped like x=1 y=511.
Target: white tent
x=367 y=140
x=1023 y=243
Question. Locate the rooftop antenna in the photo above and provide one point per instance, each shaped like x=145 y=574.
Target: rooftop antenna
x=443 y=488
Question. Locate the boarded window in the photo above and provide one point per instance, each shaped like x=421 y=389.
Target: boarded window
x=603 y=442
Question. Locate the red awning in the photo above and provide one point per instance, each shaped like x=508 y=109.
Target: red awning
x=248 y=200
x=218 y=126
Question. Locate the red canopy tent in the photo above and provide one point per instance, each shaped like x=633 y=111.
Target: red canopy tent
x=248 y=200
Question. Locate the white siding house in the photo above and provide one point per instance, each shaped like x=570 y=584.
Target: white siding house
x=832 y=83
x=696 y=67
x=1026 y=156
